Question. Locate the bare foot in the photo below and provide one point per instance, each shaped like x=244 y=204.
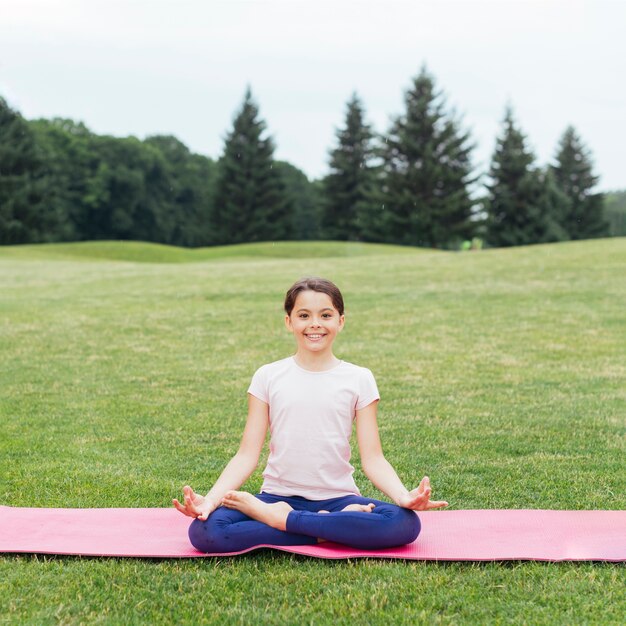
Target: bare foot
x=274 y=515
x=365 y=508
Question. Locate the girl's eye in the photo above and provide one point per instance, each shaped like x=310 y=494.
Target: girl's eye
x=303 y=315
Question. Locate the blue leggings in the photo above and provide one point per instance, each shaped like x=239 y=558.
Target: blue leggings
x=388 y=525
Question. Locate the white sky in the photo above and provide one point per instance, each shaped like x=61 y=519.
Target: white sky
x=141 y=67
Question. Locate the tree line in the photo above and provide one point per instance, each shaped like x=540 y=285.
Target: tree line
x=413 y=185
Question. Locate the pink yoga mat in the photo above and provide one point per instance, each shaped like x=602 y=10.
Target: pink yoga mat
x=472 y=535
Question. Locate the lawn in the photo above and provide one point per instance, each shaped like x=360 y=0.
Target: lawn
x=124 y=372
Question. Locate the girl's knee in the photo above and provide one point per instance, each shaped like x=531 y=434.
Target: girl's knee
x=199 y=535
x=206 y=535
x=412 y=525
x=405 y=523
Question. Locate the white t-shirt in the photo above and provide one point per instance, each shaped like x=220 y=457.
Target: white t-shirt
x=311 y=415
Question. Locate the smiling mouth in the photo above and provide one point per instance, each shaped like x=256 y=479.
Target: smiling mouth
x=315 y=336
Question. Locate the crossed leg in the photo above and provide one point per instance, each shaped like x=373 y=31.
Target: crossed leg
x=246 y=521
x=274 y=514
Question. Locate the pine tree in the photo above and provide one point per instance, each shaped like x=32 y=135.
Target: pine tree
x=523 y=204
x=574 y=175
x=24 y=215
x=250 y=201
x=551 y=205
x=426 y=173
x=348 y=187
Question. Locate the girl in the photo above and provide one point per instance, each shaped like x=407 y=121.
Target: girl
x=309 y=402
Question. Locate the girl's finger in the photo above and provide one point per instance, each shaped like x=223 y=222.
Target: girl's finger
x=180 y=507
x=424 y=484
x=418 y=501
x=191 y=507
x=437 y=505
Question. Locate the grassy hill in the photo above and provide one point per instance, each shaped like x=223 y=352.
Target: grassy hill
x=142 y=252
x=124 y=370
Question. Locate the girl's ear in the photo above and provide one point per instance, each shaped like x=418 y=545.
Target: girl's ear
x=342 y=321
x=288 y=323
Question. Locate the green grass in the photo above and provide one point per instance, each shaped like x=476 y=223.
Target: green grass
x=142 y=252
x=123 y=376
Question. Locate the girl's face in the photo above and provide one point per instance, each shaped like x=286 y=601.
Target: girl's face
x=314 y=322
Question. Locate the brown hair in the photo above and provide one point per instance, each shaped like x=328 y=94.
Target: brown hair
x=312 y=283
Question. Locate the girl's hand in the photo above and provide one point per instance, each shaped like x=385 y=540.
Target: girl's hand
x=419 y=499
x=196 y=505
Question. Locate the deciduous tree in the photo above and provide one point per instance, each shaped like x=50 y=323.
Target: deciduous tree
x=25 y=216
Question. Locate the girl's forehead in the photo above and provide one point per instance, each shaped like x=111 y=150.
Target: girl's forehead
x=313 y=299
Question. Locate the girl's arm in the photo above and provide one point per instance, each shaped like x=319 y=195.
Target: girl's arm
x=239 y=467
x=380 y=471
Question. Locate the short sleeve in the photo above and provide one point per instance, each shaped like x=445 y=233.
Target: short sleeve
x=258 y=385
x=368 y=390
